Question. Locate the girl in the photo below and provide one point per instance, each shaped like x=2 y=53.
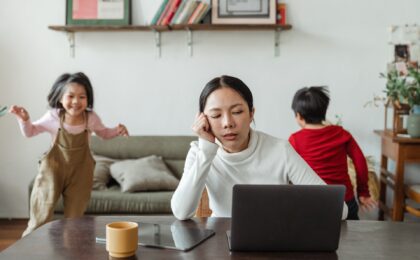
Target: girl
x=67 y=168
x=229 y=152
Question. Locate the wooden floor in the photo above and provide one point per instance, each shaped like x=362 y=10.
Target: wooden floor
x=11 y=231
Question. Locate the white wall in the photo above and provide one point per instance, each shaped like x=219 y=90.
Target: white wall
x=337 y=43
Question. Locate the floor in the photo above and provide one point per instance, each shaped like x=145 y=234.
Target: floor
x=11 y=231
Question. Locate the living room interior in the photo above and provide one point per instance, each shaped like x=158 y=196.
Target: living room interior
x=150 y=81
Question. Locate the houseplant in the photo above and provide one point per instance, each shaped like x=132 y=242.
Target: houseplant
x=413 y=99
x=395 y=88
x=403 y=95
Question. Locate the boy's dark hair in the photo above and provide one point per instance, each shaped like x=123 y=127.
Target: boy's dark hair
x=59 y=87
x=311 y=103
x=227 y=82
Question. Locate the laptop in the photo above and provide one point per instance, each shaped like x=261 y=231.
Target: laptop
x=286 y=217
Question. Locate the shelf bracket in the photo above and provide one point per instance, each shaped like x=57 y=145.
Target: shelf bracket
x=190 y=42
x=71 y=37
x=158 y=43
x=277 y=42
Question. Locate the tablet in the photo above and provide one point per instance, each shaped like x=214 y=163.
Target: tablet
x=169 y=236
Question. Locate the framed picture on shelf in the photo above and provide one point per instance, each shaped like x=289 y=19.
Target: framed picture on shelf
x=243 y=11
x=98 y=12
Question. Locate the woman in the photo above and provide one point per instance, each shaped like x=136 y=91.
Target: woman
x=229 y=152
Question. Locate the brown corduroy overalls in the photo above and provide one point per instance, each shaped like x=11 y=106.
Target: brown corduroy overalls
x=66 y=169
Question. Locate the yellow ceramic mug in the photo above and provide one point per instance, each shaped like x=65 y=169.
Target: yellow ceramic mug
x=121 y=239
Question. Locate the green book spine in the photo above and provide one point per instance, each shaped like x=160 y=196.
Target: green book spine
x=180 y=8
x=159 y=12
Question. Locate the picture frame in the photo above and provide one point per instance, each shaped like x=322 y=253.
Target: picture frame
x=98 y=12
x=244 y=11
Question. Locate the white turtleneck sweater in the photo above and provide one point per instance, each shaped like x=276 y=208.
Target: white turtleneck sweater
x=267 y=160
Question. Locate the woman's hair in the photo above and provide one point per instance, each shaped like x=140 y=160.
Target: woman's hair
x=226 y=82
x=311 y=103
x=60 y=85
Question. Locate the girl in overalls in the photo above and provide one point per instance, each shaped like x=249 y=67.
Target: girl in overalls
x=67 y=168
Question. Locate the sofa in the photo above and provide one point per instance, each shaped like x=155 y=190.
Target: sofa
x=111 y=200
x=173 y=150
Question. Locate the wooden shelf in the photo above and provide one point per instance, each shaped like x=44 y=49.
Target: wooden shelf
x=189 y=28
x=178 y=27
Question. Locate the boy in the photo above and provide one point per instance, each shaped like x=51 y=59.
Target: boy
x=326 y=147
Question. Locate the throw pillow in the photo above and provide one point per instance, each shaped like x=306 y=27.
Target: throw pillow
x=147 y=173
x=102 y=174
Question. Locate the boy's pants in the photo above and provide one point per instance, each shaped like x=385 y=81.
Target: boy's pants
x=353 y=209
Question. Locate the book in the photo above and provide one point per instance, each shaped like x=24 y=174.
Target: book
x=281 y=13
x=159 y=12
x=196 y=12
x=165 y=12
x=203 y=12
x=188 y=10
x=178 y=11
x=171 y=12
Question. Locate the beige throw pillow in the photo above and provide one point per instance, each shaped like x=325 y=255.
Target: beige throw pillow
x=101 y=174
x=147 y=173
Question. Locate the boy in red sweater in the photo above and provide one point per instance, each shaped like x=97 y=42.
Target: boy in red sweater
x=326 y=147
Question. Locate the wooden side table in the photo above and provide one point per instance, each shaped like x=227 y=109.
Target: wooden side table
x=401 y=150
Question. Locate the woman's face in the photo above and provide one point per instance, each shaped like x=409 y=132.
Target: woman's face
x=229 y=118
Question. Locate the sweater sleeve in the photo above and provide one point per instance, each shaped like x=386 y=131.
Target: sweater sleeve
x=292 y=141
x=100 y=129
x=197 y=165
x=299 y=172
x=41 y=125
x=360 y=165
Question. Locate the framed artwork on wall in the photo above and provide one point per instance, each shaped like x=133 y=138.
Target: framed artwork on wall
x=98 y=12
x=243 y=11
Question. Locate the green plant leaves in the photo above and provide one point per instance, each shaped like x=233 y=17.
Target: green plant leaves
x=403 y=89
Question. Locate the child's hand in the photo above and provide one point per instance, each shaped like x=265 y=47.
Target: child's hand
x=202 y=128
x=19 y=112
x=367 y=203
x=122 y=130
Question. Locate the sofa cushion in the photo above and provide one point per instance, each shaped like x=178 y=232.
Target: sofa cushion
x=101 y=174
x=171 y=148
x=148 y=173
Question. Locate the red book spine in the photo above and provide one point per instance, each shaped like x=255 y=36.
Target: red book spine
x=281 y=13
x=171 y=12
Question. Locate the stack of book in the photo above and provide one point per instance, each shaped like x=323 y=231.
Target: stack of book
x=172 y=12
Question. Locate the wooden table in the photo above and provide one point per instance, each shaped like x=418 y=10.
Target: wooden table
x=75 y=239
x=401 y=150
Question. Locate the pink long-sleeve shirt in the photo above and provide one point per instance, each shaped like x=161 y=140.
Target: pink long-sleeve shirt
x=50 y=122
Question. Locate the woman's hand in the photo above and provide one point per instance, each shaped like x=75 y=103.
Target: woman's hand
x=19 y=112
x=202 y=128
x=122 y=130
x=367 y=203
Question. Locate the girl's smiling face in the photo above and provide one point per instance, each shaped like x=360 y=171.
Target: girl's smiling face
x=74 y=100
x=229 y=118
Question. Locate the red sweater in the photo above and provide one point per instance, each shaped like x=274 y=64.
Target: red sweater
x=326 y=150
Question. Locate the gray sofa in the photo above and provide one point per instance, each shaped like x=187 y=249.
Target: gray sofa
x=173 y=150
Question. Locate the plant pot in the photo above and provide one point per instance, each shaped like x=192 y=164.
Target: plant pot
x=413 y=125
x=416 y=109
